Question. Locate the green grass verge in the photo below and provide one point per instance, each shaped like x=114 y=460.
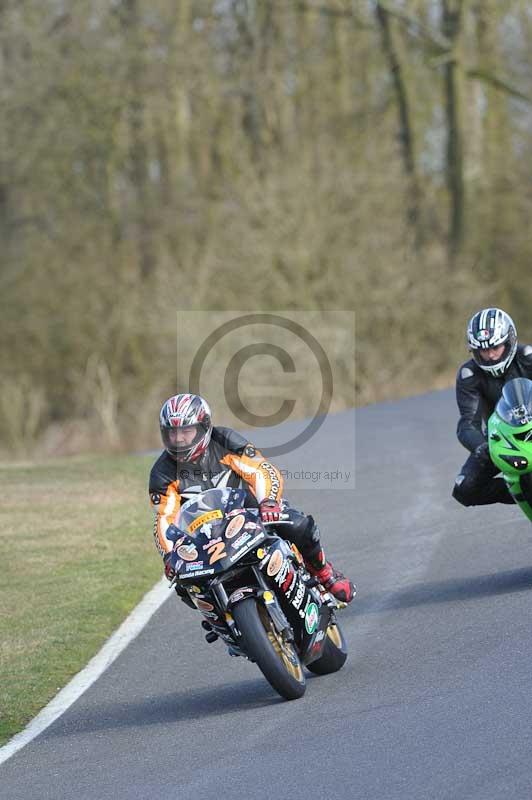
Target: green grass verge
x=76 y=556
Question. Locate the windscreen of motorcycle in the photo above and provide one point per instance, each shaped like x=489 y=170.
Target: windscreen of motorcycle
x=209 y=508
x=515 y=405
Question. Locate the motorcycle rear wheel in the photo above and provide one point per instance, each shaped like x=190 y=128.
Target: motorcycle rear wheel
x=277 y=660
x=334 y=653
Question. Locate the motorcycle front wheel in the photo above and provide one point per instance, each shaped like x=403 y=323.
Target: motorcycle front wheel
x=277 y=660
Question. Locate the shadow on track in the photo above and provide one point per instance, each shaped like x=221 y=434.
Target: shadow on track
x=456 y=589
x=189 y=705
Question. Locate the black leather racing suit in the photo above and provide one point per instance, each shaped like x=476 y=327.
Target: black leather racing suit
x=477 y=393
x=229 y=460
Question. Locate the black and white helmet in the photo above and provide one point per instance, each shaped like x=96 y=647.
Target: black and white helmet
x=488 y=329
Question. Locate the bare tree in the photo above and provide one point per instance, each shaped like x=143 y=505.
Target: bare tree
x=135 y=46
x=391 y=46
x=452 y=28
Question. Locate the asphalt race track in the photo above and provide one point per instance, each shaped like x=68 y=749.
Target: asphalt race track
x=434 y=701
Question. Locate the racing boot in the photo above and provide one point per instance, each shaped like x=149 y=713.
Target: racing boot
x=331 y=579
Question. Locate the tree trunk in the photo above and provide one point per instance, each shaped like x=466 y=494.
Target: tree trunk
x=499 y=196
x=138 y=151
x=406 y=128
x=246 y=64
x=452 y=15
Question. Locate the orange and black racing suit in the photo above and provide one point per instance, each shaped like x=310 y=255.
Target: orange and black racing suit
x=229 y=460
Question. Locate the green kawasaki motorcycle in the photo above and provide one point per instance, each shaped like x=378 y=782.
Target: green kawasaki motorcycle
x=510 y=440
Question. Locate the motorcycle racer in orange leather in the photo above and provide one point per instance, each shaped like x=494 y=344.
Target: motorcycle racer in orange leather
x=199 y=456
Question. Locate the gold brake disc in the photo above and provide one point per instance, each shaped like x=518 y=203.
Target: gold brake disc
x=334 y=635
x=284 y=650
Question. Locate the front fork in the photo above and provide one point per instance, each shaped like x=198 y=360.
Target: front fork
x=264 y=595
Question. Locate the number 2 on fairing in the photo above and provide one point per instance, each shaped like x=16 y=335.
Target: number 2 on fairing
x=216 y=552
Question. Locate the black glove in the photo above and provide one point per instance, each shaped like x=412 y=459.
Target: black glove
x=482 y=453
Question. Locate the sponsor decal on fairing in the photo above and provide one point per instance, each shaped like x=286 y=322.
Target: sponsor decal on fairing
x=203 y=605
x=197 y=573
x=178 y=542
x=187 y=552
x=239 y=594
x=311 y=618
x=293 y=584
x=299 y=595
x=275 y=563
x=283 y=572
x=237 y=543
x=208 y=517
x=235 y=511
x=234 y=526
x=247 y=547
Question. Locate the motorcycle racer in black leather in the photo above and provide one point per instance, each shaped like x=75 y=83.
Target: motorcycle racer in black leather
x=496 y=358
x=199 y=456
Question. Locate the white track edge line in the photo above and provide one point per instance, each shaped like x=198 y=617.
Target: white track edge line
x=117 y=642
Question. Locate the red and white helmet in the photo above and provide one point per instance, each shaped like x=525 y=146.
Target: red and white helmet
x=185 y=414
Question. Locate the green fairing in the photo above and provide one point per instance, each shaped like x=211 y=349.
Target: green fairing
x=503 y=442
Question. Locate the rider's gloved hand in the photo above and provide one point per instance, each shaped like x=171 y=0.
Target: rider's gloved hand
x=169 y=570
x=482 y=453
x=270 y=510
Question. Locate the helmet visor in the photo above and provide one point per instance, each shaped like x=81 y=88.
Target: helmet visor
x=182 y=439
x=492 y=354
x=491 y=358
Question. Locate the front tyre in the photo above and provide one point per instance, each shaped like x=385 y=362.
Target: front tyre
x=277 y=660
x=334 y=652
